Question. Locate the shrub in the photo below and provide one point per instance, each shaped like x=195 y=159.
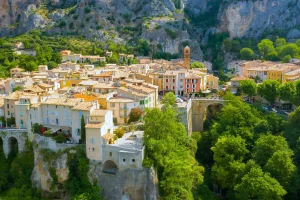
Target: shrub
x=119 y=132
x=135 y=114
x=171 y=33
x=62 y=24
x=87 y=10
x=60 y=138
x=75 y=17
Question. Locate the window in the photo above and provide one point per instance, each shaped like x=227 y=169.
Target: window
x=194 y=90
x=8 y=113
x=187 y=86
x=167 y=87
x=21 y=114
x=67 y=114
x=47 y=120
x=133 y=160
x=21 y=121
x=124 y=160
x=93 y=140
x=56 y=121
x=7 y=105
x=47 y=112
x=30 y=116
x=194 y=86
x=110 y=153
x=80 y=113
x=93 y=149
x=173 y=80
x=173 y=87
x=78 y=132
x=56 y=106
x=167 y=80
x=181 y=80
x=56 y=113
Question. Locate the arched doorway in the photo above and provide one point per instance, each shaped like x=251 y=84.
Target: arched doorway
x=13 y=147
x=211 y=114
x=110 y=167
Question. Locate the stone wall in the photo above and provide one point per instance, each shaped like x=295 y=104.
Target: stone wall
x=19 y=134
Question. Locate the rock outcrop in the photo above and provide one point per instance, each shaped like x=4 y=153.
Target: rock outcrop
x=51 y=170
x=126 y=20
x=252 y=18
x=130 y=184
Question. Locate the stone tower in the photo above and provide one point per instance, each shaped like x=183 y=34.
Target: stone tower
x=187 y=57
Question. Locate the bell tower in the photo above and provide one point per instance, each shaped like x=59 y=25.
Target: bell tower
x=187 y=57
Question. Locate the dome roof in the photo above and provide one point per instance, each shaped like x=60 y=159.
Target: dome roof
x=187 y=48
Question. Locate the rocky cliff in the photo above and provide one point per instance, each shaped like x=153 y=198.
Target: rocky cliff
x=167 y=24
x=130 y=184
x=51 y=172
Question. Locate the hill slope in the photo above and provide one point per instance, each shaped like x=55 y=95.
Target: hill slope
x=168 y=25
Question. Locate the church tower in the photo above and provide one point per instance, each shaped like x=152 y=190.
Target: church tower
x=187 y=57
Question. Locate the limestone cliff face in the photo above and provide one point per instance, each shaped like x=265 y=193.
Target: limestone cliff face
x=41 y=177
x=12 y=12
x=130 y=184
x=252 y=18
x=51 y=170
x=111 y=19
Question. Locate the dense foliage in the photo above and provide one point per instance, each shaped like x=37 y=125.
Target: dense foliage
x=15 y=174
x=252 y=154
x=171 y=152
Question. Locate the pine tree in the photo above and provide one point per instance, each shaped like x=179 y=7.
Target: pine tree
x=82 y=130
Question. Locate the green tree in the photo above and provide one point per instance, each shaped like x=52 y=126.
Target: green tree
x=169 y=99
x=197 y=65
x=247 y=54
x=135 y=114
x=37 y=128
x=168 y=149
x=82 y=130
x=51 y=65
x=266 y=146
x=119 y=132
x=287 y=91
x=19 y=87
x=143 y=48
x=292 y=129
x=31 y=66
x=229 y=152
x=281 y=167
x=291 y=50
x=286 y=59
x=4 y=168
x=269 y=90
x=248 y=87
x=280 y=42
x=265 y=47
x=242 y=124
x=259 y=185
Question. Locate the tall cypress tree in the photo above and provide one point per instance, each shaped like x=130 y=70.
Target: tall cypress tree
x=82 y=130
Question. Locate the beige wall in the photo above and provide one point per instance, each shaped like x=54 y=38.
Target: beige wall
x=21 y=115
x=120 y=114
x=9 y=108
x=93 y=143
